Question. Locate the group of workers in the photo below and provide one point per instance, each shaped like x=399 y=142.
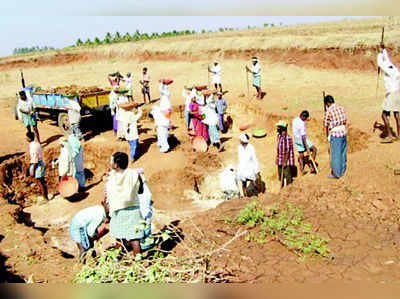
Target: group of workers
x=248 y=171
x=128 y=201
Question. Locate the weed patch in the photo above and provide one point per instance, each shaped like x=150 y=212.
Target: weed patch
x=283 y=223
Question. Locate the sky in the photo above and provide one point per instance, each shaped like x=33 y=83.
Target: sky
x=62 y=31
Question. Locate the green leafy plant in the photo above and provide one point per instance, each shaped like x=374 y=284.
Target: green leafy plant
x=285 y=224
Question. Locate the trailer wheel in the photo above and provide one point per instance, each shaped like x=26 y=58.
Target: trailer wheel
x=63 y=122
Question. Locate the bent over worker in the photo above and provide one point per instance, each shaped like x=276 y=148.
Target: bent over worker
x=86 y=227
x=392 y=96
x=335 y=127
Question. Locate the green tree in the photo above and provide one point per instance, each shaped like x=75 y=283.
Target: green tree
x=97 y=41
x=88 y=42
x=108 y=38
x=127 y=37
x=117 y=37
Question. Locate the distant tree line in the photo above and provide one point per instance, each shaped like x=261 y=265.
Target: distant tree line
x=138 y=36
x=25 y=50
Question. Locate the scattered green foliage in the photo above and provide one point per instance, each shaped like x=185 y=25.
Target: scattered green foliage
x=154 y=266
x=285 y=224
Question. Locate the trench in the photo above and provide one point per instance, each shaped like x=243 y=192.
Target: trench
x=197 y=172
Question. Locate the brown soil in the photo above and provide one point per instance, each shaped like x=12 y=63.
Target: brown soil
x=359 y=212
x=359 y=59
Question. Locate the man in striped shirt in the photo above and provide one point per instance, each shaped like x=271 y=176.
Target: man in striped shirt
x=335 y=128
x=285 y=154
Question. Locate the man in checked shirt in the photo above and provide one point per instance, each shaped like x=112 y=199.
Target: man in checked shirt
x=335 y=128
x=285 y=154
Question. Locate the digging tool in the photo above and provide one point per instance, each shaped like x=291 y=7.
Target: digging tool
x=248 y=88
x=208 y=75
x=22 y=79
x=314 y=164
x=379 y=69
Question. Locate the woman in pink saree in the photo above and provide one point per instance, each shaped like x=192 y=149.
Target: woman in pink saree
x=199 y=127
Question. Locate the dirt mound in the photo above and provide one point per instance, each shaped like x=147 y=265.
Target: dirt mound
x=356 y=59
x=357 y=139
x=72 y=90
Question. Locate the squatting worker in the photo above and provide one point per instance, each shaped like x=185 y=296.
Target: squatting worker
x=335 y=126
x=285 y=154
x=26 y=113
x=145 y=85
x=216 y=70
x=248 y=169
x=122 y=188
x=86 y=227
x=36 y=166
x=303 y=144
x=255 y=70
x=392 y=97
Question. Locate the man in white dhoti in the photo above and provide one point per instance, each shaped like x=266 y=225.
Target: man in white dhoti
x=392 y=96
x=248 y=169
x=162 y=124
x=216 y=75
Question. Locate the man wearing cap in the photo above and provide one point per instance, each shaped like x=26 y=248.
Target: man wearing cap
x=303 y=144
x=217 y=72
x=285 y=154
x=221 y=109
x=335 y=127
x=248 y=169
x=255 y=70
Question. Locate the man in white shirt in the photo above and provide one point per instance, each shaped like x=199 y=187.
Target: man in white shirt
x=128 y=86
x=122 y=117
x=392 y=96
x=248 y=169
x=303 y=144
x=162 y=124
x=74 y=117
x=217 y=73
x=132 y=135
x=255 y=70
